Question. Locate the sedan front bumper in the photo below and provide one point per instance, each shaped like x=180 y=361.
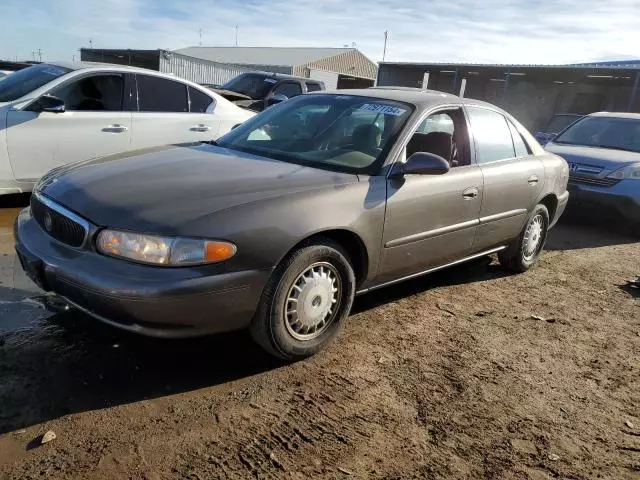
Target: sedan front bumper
x=154 y=301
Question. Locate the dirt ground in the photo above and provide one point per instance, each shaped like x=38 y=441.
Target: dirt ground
x=448 y=376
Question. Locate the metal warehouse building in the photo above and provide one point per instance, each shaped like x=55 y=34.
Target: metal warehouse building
x=532 y=93
x=183 y=66
x=337 y=67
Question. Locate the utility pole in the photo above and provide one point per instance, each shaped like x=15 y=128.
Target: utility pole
x=33 y=54
x=200 y=37
x=384 y=50
x=90 y=43
x=40 y=55
x=73 y=58
x=236 y=35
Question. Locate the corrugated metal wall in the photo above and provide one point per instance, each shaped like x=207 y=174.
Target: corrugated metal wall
x=197 y=70
x=269 y=68
x=330 y=79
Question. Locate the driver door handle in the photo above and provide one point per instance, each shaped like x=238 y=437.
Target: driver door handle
x=200 y=128
x=115 y=128
x=470 y=193
x=533 y=179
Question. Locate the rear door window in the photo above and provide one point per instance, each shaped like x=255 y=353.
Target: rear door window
x=198 y=101
x=491 y=134
x=156 y=94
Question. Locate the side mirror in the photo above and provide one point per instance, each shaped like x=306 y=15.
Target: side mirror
x=49 y=103
x=277 y=98
x=422 y=163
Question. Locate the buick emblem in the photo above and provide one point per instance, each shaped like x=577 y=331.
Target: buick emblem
x=48 y=222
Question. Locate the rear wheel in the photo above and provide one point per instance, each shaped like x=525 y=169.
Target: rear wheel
x=524 y=252
x=305 y=302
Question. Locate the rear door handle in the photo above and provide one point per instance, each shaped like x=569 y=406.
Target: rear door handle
x=115 y=128
x=533 y=179
x=470 y=193
x=200 y=128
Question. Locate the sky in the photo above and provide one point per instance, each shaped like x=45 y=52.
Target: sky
x=487 y=31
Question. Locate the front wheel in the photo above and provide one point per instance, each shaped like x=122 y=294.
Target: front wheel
x=305 y=302
x=525 y=251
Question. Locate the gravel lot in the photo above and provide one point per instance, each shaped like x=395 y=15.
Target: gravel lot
x=468 y=373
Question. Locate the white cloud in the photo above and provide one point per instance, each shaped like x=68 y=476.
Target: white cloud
x=492 y=31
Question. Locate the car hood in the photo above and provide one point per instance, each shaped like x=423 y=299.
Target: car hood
x=159 y=190
x=604 y=158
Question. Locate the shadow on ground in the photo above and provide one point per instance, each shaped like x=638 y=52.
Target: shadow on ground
x=576 y=231
x=68 y=362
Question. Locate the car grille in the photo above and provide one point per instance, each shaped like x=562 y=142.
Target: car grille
x=596 y=181
x=56 y=224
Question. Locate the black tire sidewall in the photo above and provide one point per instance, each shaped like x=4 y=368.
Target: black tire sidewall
x=282 y=341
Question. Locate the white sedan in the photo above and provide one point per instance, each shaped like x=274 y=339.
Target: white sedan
x=58 y=113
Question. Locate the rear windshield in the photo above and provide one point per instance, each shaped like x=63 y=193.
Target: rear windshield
x=19 y=83
x=252 y=85
x=604 y=132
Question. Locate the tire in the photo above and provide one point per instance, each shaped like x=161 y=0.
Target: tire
x=317 y=268
x=517 y=257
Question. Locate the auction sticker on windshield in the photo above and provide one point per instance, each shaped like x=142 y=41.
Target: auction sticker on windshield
x=384 y=109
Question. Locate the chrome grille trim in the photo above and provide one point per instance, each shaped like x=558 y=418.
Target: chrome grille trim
x=595 y=181
x=56 y=207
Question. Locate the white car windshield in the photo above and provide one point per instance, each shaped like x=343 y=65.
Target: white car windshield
x=340 y=132
x=19 y=83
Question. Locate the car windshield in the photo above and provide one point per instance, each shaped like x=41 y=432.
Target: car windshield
x=604 y=132
x=252 y=85
x=335 y=132
x=19 y=83
x=560 y=122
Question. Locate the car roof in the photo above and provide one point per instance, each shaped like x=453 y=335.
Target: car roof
x=635 y=116
x=420 y=98
x=99 y=66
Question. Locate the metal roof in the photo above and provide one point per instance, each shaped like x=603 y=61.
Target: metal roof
x=631 y=65
x=276 y=56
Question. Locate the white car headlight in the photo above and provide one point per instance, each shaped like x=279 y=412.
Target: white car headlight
x=629 y=172
x=167 y=251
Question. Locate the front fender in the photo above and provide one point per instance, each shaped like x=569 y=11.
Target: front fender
x=266 y=230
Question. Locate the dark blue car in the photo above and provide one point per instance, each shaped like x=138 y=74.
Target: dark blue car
x=603 y=152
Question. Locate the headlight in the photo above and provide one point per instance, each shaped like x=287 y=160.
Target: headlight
x=156 y=250
x=629 y=172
